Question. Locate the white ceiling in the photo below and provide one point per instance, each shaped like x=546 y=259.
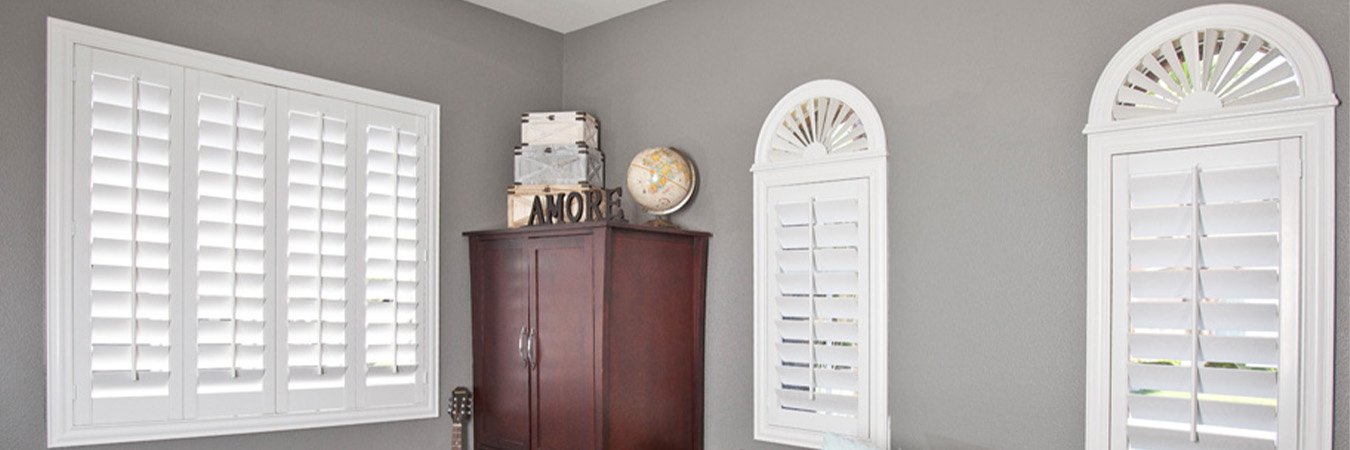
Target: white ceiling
x=565 y=16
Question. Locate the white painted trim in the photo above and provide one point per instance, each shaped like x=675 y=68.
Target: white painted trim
x=768 y=167
x=60 y=91
x=1226 y=113
x=62 y=40
x=871 y=166
x=1309 y=118
x=222 y=427
x=76 y=33
x=1310 y=66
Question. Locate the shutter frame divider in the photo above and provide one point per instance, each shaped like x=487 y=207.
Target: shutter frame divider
x=356 y=287
x=281 y=247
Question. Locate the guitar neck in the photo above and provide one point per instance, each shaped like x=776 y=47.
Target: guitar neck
x=461 y=409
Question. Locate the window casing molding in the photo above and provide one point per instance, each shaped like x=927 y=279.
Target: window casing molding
x=66 y=41
x=845 y=167
x=1309 y=118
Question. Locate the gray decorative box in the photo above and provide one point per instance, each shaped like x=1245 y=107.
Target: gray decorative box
x=560 y=164
x=558 y=128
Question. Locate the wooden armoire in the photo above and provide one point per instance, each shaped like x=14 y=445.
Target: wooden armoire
x=588 y=336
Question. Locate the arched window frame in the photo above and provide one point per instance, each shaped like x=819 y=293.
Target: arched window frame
x=868 y=168
x=1308 y=116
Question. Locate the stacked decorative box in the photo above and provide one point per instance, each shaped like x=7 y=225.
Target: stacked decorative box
x=559 y=154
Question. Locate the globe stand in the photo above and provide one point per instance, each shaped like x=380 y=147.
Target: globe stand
x=660 y=221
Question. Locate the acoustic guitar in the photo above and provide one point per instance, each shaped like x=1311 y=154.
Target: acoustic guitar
x=461 y=411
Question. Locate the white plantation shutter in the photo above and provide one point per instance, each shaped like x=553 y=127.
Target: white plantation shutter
x=818 y=237
x=820 y=269
x=318 y=153
x=1210 y=237
x=126 y=253
x=213 y=236
x=228 y=218
x=393 y=146
x=1205 y=278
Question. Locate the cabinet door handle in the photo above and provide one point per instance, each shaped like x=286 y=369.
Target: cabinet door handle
x=529 y=349
x=520 y=346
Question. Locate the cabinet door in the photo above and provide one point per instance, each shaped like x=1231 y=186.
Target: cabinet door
x=501 y=316
x=564 y=344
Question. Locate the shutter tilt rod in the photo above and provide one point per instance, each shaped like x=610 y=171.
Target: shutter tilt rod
x=398 y=135
x=318 y=229
x=811 y=302
x=234 y=237
x=1195 y=303
x=135 y=225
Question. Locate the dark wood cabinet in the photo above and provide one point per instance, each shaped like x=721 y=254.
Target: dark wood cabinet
x=588 y=336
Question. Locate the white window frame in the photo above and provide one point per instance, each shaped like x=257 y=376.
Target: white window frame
x=868 y=165
x=1308 y=117
x=63 y=37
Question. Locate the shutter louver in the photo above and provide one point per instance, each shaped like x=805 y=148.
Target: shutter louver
x=230 y=213
x=393 y=256
x=318 y=139
x=818 y=254
x=127 y=300
x=1205 y=284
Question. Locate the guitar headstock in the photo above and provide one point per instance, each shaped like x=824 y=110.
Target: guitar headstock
x=461 y=405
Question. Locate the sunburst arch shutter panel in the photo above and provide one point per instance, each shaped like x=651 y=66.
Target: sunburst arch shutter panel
x=1206 y=69
x=1203 y=287
x=394 y=297
x=318 y=154
x=229 y=217
x=817 y=127
x=820 y=264
x=1215 y=61
x=127 y=346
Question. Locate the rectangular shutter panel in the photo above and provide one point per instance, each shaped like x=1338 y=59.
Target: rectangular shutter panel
x=317 y=157
x=127 y=301
x=818 y=250
x=229 y=222
x=1204 y=281
x=393 y=143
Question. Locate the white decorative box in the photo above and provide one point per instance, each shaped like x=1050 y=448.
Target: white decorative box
x=560 y=164
x=554 y=128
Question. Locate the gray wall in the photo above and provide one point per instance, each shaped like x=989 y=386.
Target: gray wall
x=983 y=103
x=481 y=67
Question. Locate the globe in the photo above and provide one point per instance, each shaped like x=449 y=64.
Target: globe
x=660 y=180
